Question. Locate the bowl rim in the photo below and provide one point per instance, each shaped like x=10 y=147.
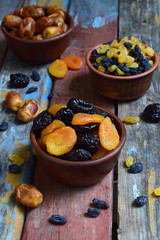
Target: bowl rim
x=88 y=162
x=155 y=65
x=31 y=41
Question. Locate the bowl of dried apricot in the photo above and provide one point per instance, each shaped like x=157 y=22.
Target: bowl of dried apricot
x=122 y=70
x=77 y=143
x=37 y=34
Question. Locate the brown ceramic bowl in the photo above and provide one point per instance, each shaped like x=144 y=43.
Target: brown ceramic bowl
x=40 y=51
x=122 y=88
x=80 y=173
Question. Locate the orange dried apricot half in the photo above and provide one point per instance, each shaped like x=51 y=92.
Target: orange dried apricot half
x=85 y=118
x=101 y=152
x=108 y=134
x=58 y=68
x=73 y=62
x=61 y=141
x=55 y=108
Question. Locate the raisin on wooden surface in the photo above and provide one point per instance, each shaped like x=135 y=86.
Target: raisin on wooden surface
x=13 y=168
x=58 y=219
x=31 y=89
x=35 y=76
x=93 y=212
x=100 y=203
x=136 y=167
x=140 y=201
x=3 y=126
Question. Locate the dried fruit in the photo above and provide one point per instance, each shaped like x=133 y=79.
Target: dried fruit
x=140 y=201
x=55 y=108
x=79 y=154
x=129 y=161
x=16 y=159
x=101 y=152
x=132 y=120
x=73 y=61
x=65 y=115
x=108 y=134
x=88 y=141
x=35 y=76
x=58 y=219
x=152 y=112
x=157 y=192
x=100 y=203
x=85 y=118
x=13 y=168
x=3 y=126
x=19 y=80
x=97 y=111
x=91 y=127
x=13 y=100
x=31 y=89
x=136 y=167
x=79 y=105
x=58 y=68
x=61 y=141
x=93 y=212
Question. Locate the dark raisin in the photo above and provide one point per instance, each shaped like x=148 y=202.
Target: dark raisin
x=107 y=60
x=97 y=111
x=147 y=66
x=94 y=56
x=126 y=69
x=93 y=212
x=137 y=49
x=95 y=65
x=133 y=53
x=3 y=126
x=94 y=51
x=140 y=201
x=77 y=155
x=19 y=80
x=108 y=43
x=31 y=89
x=58 y=219
x=136 y=167
x=88 y=141
x=86 y=128
x=106 y=64
x=65 y=115
x=50 y=96
x=152 y=112
x=42 y=121
x=134 y=71
x=128 y=45
x=79 y=105
x=35 y=76
x=13 y=168
x=121 y=65
x=100 y=203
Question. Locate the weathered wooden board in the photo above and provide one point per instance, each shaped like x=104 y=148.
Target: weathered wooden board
x=141 y=19
x=68 y=201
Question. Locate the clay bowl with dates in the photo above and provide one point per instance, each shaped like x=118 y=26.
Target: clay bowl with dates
x=80 y=173
x=39 y=51
x=121 y=88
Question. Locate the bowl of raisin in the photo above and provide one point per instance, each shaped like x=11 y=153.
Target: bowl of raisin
x=77 y=143
x=37 y=34
x=122 y=69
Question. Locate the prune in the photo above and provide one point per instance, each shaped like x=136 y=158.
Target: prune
x=13 y=168
x=86 y=128
x=100 y=203
x=65 y=115
x=140 y=201
x=79 y=105
x=35 y=76
x=88 y=141
x=77 y=155
x=97 y=111
x=3 y=126
x=31 y=89
x=58 y=219
x=152 y=112
x=128 y=45
x=136 y=167
x=42 y=121
x=93 y=212
x=19 y=80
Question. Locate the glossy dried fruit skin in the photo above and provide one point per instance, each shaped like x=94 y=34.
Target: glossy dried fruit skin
x=28 y=195
x=152 y=112
x=79 y=105
x=88 y=128
x=35 y=76
x=31 y=90
x=85 y=118
x=93 y=212
x=13 y=168
x=77 y=154
x=3 y=126
x=11 y=21
x=58 y=219
x=100 y=203
x=136 y=167
x=98 y=111
x=19 y=80
x=13 y=100
x=140 y=201
x=65 y=115
x=88 y=141
x=27 y=28
x=58 y=69
x=55 y=108
x=31 y=11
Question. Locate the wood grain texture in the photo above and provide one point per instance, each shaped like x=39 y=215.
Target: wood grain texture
x=143 y=138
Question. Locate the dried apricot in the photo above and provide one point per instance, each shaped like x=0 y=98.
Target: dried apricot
x=85 y=118
x=73 y=62
x=101 y=152
x=108 y=134
x=58 y=68
x=55 y=108
x=61 y=141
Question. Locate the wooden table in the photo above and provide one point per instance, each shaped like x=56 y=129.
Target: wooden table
x=94 y=22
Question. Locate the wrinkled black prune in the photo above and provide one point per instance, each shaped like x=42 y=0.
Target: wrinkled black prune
x=31 y=89
x=19 y=80
x=79 y=105
x=140 y=201
x=88 y=141
x=35 y=76
x=3 y=126
x=93 y=212
x=97 y=111
x=91 y=127
x=13 y=168
x=152 y=112
x=136 y=167
x=100 y=203
x=65 y=115
x=77 y=155
x=58 y=219
x=42 y=121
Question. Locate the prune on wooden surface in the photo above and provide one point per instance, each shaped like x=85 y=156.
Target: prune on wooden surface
x=79 y=105
x=65 y=115
x=19 y=80
x=3 y=126
x=88 y=141
x=91 y=127
x=136 y=167
x=58 y=219
x=100 y=203
x=93 y=212
x=77 y=155
x=97 y=111
x=152 y=112
x=140 y=201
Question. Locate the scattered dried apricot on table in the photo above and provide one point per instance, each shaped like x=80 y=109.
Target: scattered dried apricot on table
x=58 y=68
x=85 y=118
x=55 y=108
x=73 y=62
x=108 y=134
